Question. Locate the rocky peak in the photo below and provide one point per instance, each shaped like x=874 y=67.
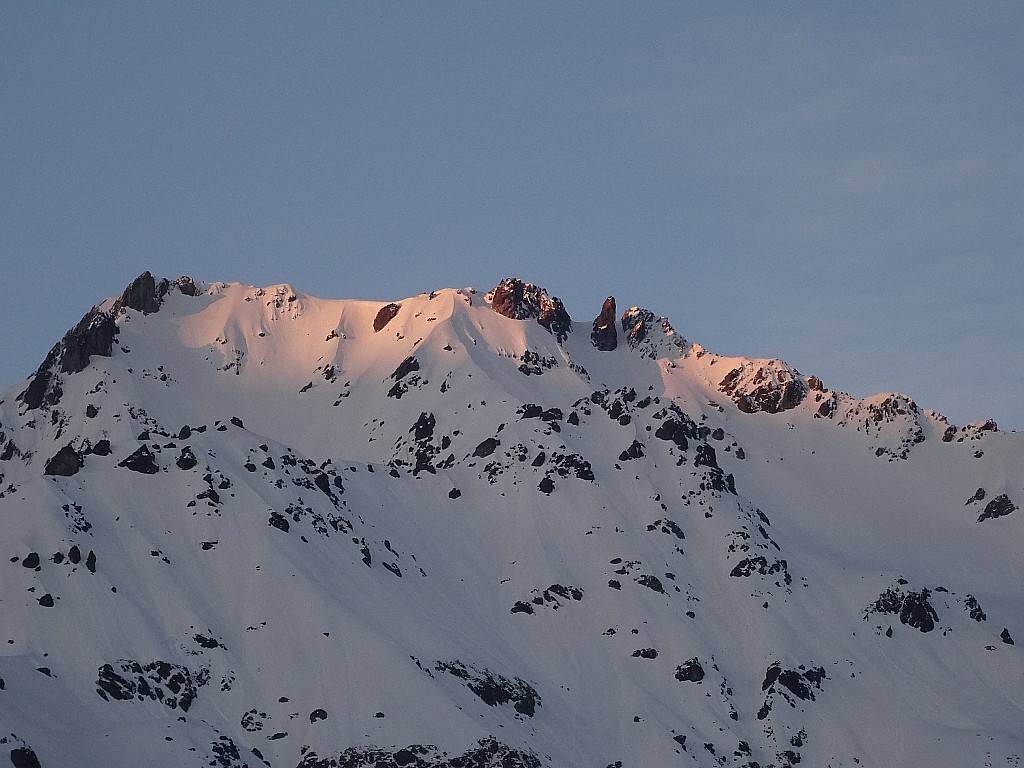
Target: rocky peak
x=522 y=301
x=766 y=385
x=95 y=335
x=145 y=294
x=142 y=295
x=604 y=336
x=652 y=337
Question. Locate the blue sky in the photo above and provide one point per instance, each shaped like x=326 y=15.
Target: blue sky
x=840 y=185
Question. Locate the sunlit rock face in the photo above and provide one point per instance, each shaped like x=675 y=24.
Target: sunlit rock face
x=517 y=300
x=604 y=336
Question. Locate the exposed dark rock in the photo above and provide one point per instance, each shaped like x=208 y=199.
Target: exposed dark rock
x=636 y=324
x=423 y=429
x=973 y=608
x=913 y=608
x=143 y=294
x=603 y=336
x=493 y=689
x=385 y=315
x=790 y=684
x=546 y=485
x=406 y=367
x=486 y=448
x=10 y=451
x=187 y=286
x=24 y=757
x=635 y=451
x=187 y=459
x=31 y=560
x=645 y=653
x=553 y=597
x=522 y=301
x=759 y=564
x=174 y=686
x=690 y=671
x=226 y=755
x=998 y=507
x=667 y=526
x=1005 y=636
x=534 y=411
x=676 y=430
x=65 y=463
x=102 y=448
x=323 y=482
x=35 y=394
x=706 y=456
x=489 y=753
x=46 y=600
x=768 y=388
x=317 y=714
x=536 y=364
x=94 y=335
x=651 y=582
x=649 y=336
x=142 y=461
x=454 y=493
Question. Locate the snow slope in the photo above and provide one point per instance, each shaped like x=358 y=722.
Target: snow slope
x=247 y=526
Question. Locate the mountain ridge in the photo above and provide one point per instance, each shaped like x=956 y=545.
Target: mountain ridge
x=529 y=549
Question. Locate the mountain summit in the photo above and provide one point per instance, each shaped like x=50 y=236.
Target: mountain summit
x=247 y=526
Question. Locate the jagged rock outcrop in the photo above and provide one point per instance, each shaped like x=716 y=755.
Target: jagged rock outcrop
x=649 y=336
x=998 y=507
x=771 y=386
x=604 y=336
x=142 y=460
x=95 y=335
x=65 y=463
x=522 y=301
x=913 y=608
x=146 y=294
x=143 y=294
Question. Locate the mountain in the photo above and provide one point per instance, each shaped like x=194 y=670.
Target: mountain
x=247 y=526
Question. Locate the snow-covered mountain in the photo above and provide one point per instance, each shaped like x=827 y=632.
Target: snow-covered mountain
x=248 y=526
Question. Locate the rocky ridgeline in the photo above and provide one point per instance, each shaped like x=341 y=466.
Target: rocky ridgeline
x=588 y=570
x=95 y=335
